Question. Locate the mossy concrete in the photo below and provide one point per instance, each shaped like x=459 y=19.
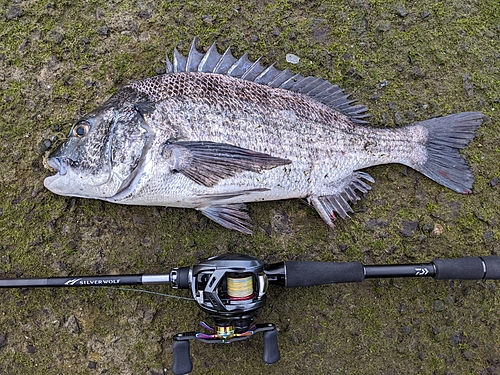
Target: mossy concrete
x=406 y=61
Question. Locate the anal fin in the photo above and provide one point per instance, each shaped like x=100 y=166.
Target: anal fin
x=343 y=194
x=231 y=216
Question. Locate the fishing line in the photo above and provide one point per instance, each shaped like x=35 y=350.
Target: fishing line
x=144 y=291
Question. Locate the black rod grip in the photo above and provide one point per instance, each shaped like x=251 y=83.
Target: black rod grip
x=469 y=268
x=182 y=361
x=320 y=273
x=492 y=263
x=271 y=349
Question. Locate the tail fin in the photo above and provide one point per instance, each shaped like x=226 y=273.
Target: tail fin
x=446 y=136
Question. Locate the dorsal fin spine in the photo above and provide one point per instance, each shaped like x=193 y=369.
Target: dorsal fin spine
x=238 y=64
x=168 y=65
x=265 y=71
x=212 y=52
x=249 y=70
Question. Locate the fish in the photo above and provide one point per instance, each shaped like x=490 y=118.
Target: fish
x=216 y=132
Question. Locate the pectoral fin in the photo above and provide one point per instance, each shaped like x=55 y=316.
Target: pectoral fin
x=206 y=163
x=231 y=216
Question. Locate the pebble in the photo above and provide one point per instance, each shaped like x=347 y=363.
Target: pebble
x=292 y=59
x=468 y=86
x=72 y=325
x=373 y=223
x=207 y=20
x=384 y=27
x=280 y=223
x=320 y=30
x=468 y=355
x=409 y=228
x=455 y=340
x=398 y=119
x=44 y=146
x=418 y=72
x=400 y=10
x=450 y=300
x=55 y=36
x=145 y=14
x=488 y=236
x=3 y=339
x=354 y=74
x=494 y=181
x=13 y=13
x=103 y=31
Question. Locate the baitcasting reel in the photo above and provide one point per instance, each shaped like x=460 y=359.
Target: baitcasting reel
x=231 y=288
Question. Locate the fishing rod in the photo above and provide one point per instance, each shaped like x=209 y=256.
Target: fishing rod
x=231 y=288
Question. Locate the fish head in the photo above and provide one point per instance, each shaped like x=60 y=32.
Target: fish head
x=103 y=154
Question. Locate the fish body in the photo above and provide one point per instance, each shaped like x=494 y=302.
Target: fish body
x=214 y=133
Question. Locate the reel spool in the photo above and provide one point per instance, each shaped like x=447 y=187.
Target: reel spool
x=240 y=288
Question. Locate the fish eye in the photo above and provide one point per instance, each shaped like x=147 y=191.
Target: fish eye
x=81 y=129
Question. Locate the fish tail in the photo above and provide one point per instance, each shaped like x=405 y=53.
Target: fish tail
x=446 y=136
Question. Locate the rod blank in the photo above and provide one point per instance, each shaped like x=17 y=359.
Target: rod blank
x=79 y=281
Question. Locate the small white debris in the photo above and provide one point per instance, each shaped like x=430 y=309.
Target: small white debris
x=382 y=84
x=292 y=59
x=438 y=230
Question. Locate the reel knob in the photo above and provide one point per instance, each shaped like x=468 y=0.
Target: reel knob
x=271 y=350
x=182 y=360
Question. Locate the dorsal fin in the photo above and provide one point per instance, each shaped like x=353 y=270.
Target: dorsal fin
x=226 y=64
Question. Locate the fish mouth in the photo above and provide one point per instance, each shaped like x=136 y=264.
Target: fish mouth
x=60 y=165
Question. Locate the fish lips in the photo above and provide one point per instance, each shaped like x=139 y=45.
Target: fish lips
x=60 y=165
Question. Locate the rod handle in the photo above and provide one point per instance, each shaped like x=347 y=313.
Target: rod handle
x=299 y=273
x=182 y=360
x=468 y=268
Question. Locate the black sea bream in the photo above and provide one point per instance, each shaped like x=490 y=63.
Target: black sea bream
x=215 y=132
